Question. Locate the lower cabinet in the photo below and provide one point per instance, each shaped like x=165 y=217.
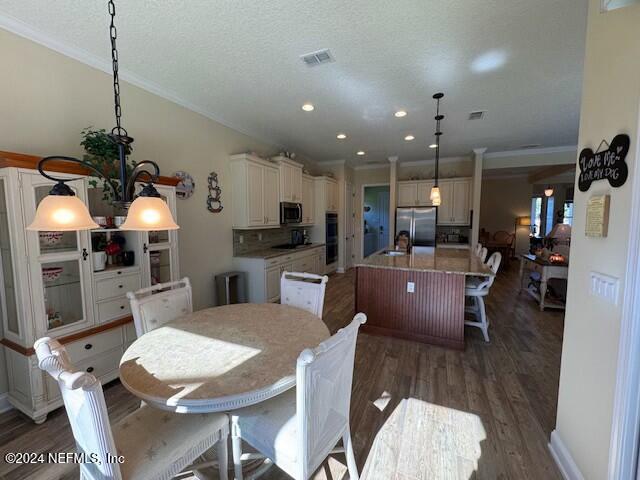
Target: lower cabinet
x=263 y=275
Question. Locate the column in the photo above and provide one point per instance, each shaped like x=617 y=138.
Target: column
x=477 y=194
x=393 y=183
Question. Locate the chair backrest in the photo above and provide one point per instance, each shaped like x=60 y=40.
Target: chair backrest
x=323 y=395
x=478 y=249
x=85 y=406
x=154 y=306
x=503 y=237
x=483 y=254
x=303 y=290
x=494 y=264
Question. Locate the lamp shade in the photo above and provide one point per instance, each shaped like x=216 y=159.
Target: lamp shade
x=62 y=213
x=436 y=200
x=523 y=221
x=548 y=191
x=149 y=213
x=560 y=231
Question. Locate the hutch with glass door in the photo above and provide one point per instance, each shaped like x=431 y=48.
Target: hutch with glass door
x=70 y=285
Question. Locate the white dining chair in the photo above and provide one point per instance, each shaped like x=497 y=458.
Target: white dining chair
x=298 y=429
x=158 y=304
x=478 y=249
x=303 y=290
x=483 y=254
x=154 y=444
x=477 y=288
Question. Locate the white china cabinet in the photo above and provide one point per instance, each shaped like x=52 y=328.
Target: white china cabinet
x=54 y=283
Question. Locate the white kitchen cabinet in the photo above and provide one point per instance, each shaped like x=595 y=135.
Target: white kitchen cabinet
x=326 y=195
x=255 y=192
x=263 y=274
x=308 y=200
x=48 y=286
x=407 y=194
x=424 y=193
x=290 y=179
x=455 y=194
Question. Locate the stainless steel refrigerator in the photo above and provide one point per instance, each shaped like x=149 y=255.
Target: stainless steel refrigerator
x=419 y=223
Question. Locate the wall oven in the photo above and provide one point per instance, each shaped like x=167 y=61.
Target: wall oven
x=290 y=212
x=331 y=238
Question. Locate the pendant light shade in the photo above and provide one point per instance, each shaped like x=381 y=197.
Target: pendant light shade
x=435 y=198
x=149 y=213
x=62 y=213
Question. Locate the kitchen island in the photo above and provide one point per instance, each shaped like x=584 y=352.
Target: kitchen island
x=417 y=296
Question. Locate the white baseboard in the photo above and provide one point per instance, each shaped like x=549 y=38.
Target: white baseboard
x=5 y=406
x=563 y=458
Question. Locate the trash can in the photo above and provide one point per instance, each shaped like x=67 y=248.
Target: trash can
x=231 y=288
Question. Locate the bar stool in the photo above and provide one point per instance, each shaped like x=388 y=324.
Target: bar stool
x=477 y=289
x=478 y=249
x=483 y=254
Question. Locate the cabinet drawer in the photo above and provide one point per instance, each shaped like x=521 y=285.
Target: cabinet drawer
x=112 y=309
x=117 y=286
x=94 y=345
x=279 y=260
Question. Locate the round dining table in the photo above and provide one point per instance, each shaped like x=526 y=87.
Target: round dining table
x=220 y=359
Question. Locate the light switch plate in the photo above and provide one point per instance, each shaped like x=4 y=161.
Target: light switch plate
x=604 y=286
x=411 y=287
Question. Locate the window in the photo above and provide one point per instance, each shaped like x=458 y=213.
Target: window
x=549 y=215
x=568 y=213
x=536 y=215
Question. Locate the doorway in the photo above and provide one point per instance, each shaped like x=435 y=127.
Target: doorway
x=375 y=218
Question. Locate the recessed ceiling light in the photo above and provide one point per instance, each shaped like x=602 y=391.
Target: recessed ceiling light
x=401 y=113
x=360 y=152
x=307 y=107
x=408 y=138
x=433 y=145
x=341 y=136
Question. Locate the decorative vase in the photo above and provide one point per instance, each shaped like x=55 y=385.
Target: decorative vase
x=99 y=261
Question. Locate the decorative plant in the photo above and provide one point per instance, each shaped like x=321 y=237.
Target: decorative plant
x=102 y=153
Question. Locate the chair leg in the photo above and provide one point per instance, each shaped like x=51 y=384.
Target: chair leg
x=484 y=324
x=236 y=447
x=351 y=459
x=223 y=457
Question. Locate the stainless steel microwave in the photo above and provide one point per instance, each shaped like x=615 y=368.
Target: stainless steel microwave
x=290 y=212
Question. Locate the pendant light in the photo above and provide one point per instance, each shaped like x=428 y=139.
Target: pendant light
x=62 y=210
x=435 y=197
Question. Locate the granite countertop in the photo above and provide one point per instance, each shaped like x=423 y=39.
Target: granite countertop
x=277 y=252
x=444 y=260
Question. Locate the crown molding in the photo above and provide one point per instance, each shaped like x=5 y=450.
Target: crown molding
x=372 y=166
x=328 y=163
x=22 y=29
x=480 y=151
x=418 y=163
x=532 y=151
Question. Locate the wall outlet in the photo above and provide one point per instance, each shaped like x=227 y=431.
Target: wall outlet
x=411 y=287
x=241 y=239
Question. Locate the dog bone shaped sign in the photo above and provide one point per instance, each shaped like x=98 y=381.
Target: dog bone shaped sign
x=608 y=164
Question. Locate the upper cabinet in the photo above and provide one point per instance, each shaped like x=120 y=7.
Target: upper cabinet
x=455 y=206
x=455 y=194
x=308 y=200
x=326 y=194
x=256 y=192
x=290 y=180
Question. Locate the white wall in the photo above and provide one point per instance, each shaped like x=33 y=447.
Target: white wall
x=610 y=102
x=49 y=98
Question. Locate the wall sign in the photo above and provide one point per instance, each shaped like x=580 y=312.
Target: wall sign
x=606 y=164
x=597 y=222
x=214 y=202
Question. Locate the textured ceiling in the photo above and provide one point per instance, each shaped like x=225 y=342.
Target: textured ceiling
x=520 y=60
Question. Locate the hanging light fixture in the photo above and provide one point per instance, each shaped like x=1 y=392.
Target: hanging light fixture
x=548 y=191
x=61 y=210
x=435 y=197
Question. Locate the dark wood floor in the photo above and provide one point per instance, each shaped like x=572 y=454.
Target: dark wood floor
x=485 y=413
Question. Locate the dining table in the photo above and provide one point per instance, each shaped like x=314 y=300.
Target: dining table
x=220 y=359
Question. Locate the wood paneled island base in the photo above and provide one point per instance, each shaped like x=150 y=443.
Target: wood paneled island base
x=433 y=313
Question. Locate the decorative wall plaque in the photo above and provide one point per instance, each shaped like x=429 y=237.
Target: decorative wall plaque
x=606 y=164
x=185 y=186
x=214 y=202
x=597 y=222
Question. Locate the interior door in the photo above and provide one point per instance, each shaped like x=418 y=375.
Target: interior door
x=271 y=196
x=255 y=194
x=383 y=220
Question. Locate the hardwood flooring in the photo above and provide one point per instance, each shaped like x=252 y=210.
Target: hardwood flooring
x=418 y=411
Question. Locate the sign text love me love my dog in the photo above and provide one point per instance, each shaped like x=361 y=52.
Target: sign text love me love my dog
x=604 y=165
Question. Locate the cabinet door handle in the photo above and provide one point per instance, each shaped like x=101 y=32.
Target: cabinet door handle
x=119 y=286
x=90 y=369
x=85 y=254
x=145 y=249
x=88 y=346
x=121 y=307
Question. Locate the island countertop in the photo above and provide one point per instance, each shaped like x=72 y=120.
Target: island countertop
x=441 y=260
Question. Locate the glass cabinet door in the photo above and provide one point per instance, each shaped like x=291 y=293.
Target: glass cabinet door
x=160 y=266
x=59 y=267
x=8 y=297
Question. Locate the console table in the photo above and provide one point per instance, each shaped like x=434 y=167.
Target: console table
x=547 y=271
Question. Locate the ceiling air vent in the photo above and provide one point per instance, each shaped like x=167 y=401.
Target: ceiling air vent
x=317 y=58
x=477 y=115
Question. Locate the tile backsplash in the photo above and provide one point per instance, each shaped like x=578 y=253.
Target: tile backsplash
x=259 y=239
x=448 y=233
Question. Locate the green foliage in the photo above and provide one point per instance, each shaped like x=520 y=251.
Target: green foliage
x=102 y=153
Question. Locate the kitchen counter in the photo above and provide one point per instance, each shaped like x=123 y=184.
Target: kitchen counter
x=266 y=253
x=442 y=260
